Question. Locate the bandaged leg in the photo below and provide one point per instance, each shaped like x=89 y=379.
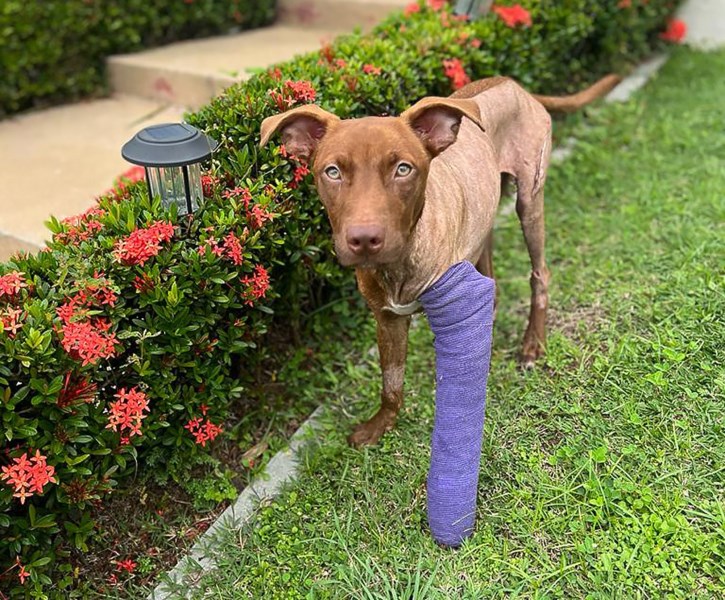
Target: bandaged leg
x=459 y=307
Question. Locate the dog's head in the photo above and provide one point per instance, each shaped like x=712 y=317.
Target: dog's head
x=371 y=173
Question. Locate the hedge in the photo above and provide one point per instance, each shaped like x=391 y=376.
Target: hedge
x=120 y=340
x=54 y=50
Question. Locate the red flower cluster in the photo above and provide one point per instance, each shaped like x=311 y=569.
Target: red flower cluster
x=11 y=320
x=257 y=216
x=207 y=185
x=89 y=341
x=203 y=430
x=76 y=391
x=624 y=4
x=23 y=573
x=128 y=411
x=293 y=92
x=233 y=248
x=513 y=15
x=92 y=295
x=455 y=72
x=125 y=565
x=299 y=174
x=27 y=477
x=371 y=70
x=84 y=338
x=11 y=283
x=142 y=244
x=675 y=32
x=239 y=193
x=411 y=9
x=437 y=4
x=258 y=284
x=132 y=175
x=81 y=227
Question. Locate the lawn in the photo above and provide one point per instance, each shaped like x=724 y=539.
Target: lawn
x=603 y=471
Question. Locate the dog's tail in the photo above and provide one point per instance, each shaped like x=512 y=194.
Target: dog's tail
x=575 y=101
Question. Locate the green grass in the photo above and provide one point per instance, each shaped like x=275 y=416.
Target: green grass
x=603 y=471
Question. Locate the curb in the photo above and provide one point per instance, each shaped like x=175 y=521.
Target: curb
x=281 y=469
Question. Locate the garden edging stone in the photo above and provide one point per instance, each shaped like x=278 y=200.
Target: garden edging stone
x=281 y=469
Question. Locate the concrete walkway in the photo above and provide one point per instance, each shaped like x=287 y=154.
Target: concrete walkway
x=57 y=161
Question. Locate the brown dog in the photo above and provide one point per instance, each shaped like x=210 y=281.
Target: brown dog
x=410 y=196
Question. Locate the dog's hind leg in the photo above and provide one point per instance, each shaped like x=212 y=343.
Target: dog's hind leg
x=530 y=209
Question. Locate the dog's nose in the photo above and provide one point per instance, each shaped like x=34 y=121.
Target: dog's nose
x=365 y=239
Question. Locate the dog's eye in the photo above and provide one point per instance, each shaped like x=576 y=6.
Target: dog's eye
x=333 y=172
x=403 y=170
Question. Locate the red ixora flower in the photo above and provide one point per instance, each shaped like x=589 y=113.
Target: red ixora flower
x=89 y=341
x=513 y=15
x=11 y=320
x=675 y=32
x=437 y=4
x=80 y=227
x=624 y=4
x=127 y=411
x=293 y=92
x=233 y=248
x=28 y=476
x=207 y=185
x=299 y=174
x=125 y=565
x=454 y=70
x=258 y=284
x=23 y=573
x=11 y=283
x=257 y=216
x=371 y=70
x=411 y=9
x=142 y=244
x=94 y=294
x=238 y=193
x=203 y=430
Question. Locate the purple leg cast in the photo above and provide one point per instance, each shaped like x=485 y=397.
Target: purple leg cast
x=459 y=307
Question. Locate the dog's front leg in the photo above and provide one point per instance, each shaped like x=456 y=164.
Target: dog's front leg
x=393 y=349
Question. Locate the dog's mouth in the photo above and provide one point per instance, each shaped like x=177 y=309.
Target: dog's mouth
x=362 y=262
x=365 y=261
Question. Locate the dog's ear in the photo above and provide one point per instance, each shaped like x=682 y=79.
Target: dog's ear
x=436 y=121
x=301 y=128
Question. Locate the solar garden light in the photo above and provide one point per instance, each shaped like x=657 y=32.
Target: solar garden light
x=171 y=154
x=472 y=8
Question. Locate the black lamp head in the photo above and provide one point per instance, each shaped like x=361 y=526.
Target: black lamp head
x=168 y=145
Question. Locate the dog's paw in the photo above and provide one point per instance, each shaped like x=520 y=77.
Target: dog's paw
x=531 y=351
x=370 y=432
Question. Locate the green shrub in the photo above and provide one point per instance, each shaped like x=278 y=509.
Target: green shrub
x=132 y=304
x=54 y=50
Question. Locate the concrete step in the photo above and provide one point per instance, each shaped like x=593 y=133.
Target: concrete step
x=57 y=161
x=343 y=14
x=191 y=73
x=9 y=245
